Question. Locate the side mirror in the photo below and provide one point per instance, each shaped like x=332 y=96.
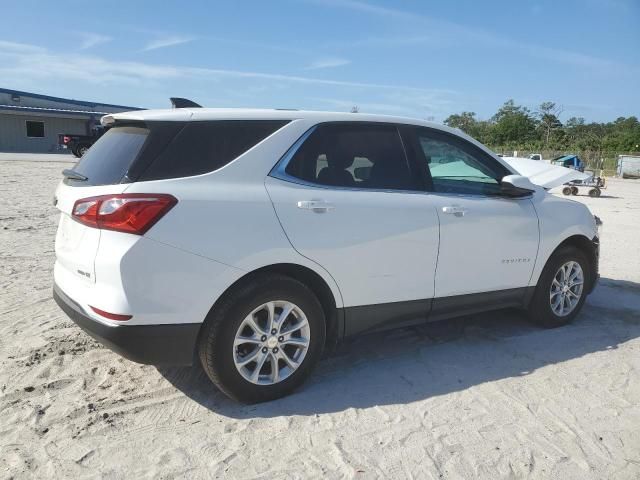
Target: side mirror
x=516 y=186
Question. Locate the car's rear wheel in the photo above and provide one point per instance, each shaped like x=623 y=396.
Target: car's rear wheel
x=263 y=339
x=566 y=191
x=561 y=289
x=82 y=149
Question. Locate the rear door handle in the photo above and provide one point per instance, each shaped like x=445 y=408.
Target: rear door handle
x=456 y=210
x=318 y=206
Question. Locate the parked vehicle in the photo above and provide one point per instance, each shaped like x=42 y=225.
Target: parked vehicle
x=569 y=161
x=79 y=144
x=535 y=156
x=253 y=240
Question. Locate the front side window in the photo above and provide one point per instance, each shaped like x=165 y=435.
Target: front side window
x=455 y=167
x=353 y=155
x=35 y=129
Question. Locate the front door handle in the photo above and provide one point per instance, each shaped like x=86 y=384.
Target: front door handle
x=318 y=206
x=456 y=210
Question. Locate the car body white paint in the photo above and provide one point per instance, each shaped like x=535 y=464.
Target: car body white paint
x=373 y=247
x=379 y=246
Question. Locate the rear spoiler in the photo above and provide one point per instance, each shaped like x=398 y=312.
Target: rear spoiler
x=177 y=102
x=131 y=117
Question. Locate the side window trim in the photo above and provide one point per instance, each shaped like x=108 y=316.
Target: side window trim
x=409 y=136
x=279 y=170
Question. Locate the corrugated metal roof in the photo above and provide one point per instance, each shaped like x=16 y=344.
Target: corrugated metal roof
x=51 y=111
x=66 y=100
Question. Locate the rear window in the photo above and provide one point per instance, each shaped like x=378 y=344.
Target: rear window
x=202 y=147
x=161 y=150
x=109 y=159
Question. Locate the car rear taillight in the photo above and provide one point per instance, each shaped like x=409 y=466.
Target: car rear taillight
x=66 y=139
x=127 y=212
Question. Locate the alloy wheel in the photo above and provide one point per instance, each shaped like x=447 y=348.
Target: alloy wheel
x=566 y=288
x=271 y=342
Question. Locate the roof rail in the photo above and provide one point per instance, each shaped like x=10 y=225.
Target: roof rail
x=177 y=102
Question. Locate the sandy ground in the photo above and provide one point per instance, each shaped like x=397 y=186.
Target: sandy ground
x=486 y=396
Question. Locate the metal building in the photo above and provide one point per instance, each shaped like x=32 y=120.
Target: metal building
x=31 y=122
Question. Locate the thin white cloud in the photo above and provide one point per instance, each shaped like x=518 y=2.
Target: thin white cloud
x=37 y=62
x=90 y=39
x=212 y=72
x=395 y=41
x=168 y=41
x=329 y=62
x=451 y=33
x=29 y=62
x=22 y=64
x=370 y=8
x=13 y=47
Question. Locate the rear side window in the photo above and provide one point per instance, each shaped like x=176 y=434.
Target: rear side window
x=202 y=147
x=109 y=159
x=355 y=155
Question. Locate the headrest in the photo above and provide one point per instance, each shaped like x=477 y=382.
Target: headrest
x=339 y=159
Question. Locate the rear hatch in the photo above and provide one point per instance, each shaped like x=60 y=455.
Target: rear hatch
x=102 y=170
x=134 y=151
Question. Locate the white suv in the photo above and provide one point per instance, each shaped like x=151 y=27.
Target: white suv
x=254 y=240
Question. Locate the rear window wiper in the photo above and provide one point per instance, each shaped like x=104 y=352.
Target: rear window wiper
x=73 y=175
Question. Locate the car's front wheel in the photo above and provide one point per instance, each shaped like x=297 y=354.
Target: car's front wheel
x=561 y=289
x=263 y=339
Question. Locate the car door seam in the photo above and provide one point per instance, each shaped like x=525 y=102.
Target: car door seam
x=535 y=264
x=284 y=231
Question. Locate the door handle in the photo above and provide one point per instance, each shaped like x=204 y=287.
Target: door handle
x=318 y=206
x=456 y=210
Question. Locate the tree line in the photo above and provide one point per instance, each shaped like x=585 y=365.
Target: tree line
x=516 y=127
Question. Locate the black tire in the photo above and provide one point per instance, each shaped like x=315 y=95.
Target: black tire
x=215 y=345
x=566 y=191
x=539 y=310
x=574 y=190
x=75 y=153
x=82 y=149
x=595 y=192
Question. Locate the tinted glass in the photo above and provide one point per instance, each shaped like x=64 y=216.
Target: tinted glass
x=35 y=129
x=368 y=156
x=202 y=147
x=455 y=167
x=109 y=159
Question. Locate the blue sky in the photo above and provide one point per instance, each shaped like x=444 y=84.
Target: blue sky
x=417 y=58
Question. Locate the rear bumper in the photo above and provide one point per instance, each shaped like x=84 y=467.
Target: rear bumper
x=172 y=344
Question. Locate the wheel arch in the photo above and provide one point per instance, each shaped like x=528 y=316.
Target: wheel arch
x=589 y=246
x=334 y=316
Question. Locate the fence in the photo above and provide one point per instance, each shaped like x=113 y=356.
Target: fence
x=595 y=160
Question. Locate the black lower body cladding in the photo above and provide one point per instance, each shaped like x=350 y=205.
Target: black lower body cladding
x=149 y=344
